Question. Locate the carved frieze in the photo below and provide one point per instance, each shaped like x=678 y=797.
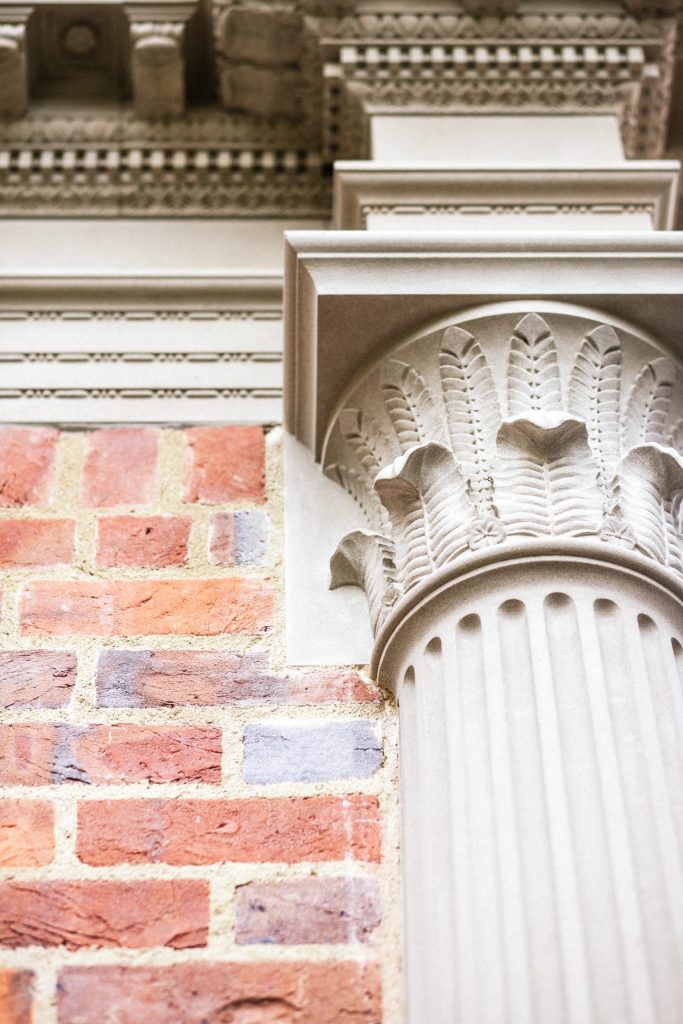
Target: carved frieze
x=540 y=426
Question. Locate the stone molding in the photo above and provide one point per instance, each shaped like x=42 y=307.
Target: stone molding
x=200 y=349
x=367 y=190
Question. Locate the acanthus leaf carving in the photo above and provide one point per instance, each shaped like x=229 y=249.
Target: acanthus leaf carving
x=533 y=370
x=472 y=409
x=546 y=480
x=425 y=494
x=650 y=481
x=595 y=394
x=649 y=404
x=357 y=486
x=366 y=439
x=367 y=560
x=412 y=410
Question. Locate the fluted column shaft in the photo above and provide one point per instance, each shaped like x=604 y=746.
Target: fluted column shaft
x=541 y=710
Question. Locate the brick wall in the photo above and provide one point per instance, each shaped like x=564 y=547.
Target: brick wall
x=190 y=833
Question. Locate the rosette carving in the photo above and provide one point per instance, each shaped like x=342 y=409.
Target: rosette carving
x=458 y=443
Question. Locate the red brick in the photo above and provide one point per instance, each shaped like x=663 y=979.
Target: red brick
x=146 y=608
x=121 y=467
x=151 y=542
x=26 y=834
x=27 y=461
x=42 y=753
x=222 y=993
x=16 y=994
x=31 y=542
x=94 y=913
x=308 y=910
x=183 y=678
x=224 y=464
x=213 y=831
x=36 y=679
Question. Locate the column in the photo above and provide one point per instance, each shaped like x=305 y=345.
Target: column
x=522 y=482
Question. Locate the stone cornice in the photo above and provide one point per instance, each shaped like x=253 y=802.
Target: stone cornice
x=342 y=64
x=364 y=189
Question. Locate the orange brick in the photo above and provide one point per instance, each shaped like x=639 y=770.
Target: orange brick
x=27 y=460
x=153 y=542
x=214 y=831
x=42 y=753
x=36 y=679
x=121 y=467
x=16 y=996
x=209 y=993
x=26 y=834
x=136 y=608
x=94 y=913
x=224 y=464
x=36 y=542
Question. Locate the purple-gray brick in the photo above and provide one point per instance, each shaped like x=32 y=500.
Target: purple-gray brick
x=311 y=751
x=313 y=910
x=239 y=538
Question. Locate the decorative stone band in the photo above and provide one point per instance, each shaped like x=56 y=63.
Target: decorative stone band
x=500 y=429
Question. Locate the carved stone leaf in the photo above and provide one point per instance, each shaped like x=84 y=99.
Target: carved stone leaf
x=533 y=369
x=546 y=479
x=404 y=505
x=595 y=393
x=425 y=494
x=649 y=404
x=414 y=415
x=471 y=401
x=357 y=485
x=649 y=480
x=366 y=440
x=366 y=560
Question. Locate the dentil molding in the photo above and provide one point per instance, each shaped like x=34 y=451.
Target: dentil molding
x=248 y=108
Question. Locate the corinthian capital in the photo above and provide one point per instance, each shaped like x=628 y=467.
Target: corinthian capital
x=537 y=429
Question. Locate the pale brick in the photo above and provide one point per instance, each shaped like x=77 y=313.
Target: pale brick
x=311 y=751
x=36 y=679
x=310 y=910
